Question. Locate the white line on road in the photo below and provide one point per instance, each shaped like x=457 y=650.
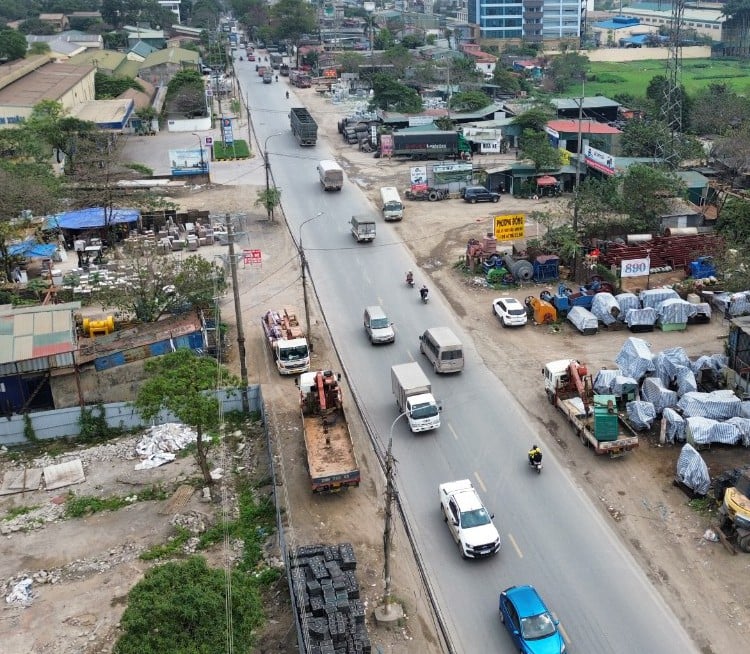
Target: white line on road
x=453 y=431
x=515 y=545
x=480 y=482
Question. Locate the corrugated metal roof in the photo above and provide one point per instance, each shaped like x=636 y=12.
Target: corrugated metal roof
x=37 y=333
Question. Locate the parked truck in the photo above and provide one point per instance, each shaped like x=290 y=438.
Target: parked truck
x=595 y=418
x=331 y=461
x=286 y=340
x=414 y=397
x=303 y=125
x=300 y=79
x=276 y=60
x=435 y=144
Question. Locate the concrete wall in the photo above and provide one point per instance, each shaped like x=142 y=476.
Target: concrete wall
x=64 y=423
x=189 y=124
x=118 y=384
x=80 y=93
x=642 y=54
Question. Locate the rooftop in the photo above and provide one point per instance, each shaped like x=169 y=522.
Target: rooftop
x=49 y=82
x=104 y=112
x=584 y=126
x=594 y=102
x=35 y=332
x=171 y=56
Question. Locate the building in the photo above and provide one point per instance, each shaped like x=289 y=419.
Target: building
x=111 y=115
x=26 y=82
x=484 y=62
x=59 y=50
x=161 y=66
x=614 y=31
x=173 y=6
x=531 y=21
x=701 y=22
x=155 y=38
x=58 y=22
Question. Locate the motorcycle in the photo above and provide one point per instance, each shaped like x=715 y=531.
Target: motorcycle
x=424 y=293
x=287 y=95
x=537 y=465
x=410 y=281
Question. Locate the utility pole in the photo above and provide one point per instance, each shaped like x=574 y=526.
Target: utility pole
x=578 y=182
x=303 y=263
x=238 y=316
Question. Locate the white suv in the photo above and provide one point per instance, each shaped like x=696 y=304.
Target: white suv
x=509 y=311
x=469 y=522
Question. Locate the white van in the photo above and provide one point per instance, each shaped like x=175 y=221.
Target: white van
x=331 y=175
x=391 y=204
x=443 y=349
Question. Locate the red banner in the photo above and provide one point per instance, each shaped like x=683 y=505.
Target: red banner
x=252 y=257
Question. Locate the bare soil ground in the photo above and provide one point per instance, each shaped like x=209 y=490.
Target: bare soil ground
x=94 y=561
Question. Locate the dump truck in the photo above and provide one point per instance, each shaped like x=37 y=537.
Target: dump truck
x=303 y=125
x=435 y=144
x=286 y=340
x=414 y=397
x=331 y=461
x=595 y=418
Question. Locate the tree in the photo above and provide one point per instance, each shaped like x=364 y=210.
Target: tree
x=39 y=47
x=161 y=285
x=599 y=208
x=391 y=95
x=384 y=39
x=35 y=26
x=534 y=119
x=646 y=196
x=12 y=45
x=269 y=199
x=739 y=12
x=718 y=110
x=733 y=223
x=398 y=57
x=180 y=607
x=536 y=146
x=568 y=68
x=186 y=94
x=506 y=80
x=292 y=19
x=643 y=138
x=177 y=382
x=734 y=151
x=350 y=61
x=412 y=41
x=469 y=101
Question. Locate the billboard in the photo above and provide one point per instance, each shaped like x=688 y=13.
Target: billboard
x=635 y=267
x=189 y=161
x=226 y=131
x=599 y=160
x=509 y=227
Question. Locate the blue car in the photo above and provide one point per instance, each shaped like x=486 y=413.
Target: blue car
x=532 y=627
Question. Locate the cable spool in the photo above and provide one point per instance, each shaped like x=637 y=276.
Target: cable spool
x=92 y=328
x=522 y=270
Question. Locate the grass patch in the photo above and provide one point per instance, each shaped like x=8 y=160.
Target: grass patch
x=238 y=150
x=632 y=77
x=19 y=510
x=172 y=546
x=703 y=505
x=83 y=505
x=255 y=522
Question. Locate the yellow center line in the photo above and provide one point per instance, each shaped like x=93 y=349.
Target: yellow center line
x=515 y=545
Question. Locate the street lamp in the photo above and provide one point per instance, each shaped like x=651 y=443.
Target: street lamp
x=389 y=612
x=267 y=163
x=303 y=263
x=200 y=145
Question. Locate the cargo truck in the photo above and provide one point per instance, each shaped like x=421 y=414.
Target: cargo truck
x=363 y=228
x=286 y=340
x=414 y=397
x=303 y=125
x=331 y=461
x=595 y=418
x=424 y=145
x=276 y=60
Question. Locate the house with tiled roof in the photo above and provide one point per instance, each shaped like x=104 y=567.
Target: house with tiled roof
x=140 y=50
x=58 y=22
x=160 y=66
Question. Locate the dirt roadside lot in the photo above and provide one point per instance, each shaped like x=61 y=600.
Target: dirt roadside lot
x=94 y=561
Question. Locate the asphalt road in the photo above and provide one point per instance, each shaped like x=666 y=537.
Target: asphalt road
x=552 y=536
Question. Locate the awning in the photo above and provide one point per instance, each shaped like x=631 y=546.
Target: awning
x=32 y=250
x=546 y=180
x=90 y=218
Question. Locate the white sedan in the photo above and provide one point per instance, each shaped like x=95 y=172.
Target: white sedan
x=510 y=311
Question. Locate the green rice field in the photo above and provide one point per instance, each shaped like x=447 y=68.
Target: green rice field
x=632 y=78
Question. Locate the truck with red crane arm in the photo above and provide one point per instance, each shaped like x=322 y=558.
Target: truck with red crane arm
x=595 y=418
x=331 y=460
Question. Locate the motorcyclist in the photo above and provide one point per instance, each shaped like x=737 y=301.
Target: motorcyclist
x=410 y=278
x=535 y=455
x=287 y=95
x=277 y=78
x=423 y=292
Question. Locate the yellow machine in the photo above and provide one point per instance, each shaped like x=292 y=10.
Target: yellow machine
x=735 y=512
x=92 y=328
x=543 y=313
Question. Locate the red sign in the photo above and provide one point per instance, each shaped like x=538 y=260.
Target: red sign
x=252 y=257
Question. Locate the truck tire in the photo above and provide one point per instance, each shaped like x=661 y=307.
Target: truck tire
x=583 y=439
x=433 y=196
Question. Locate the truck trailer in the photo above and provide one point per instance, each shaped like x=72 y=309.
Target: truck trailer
x=303 y=125
x=286 y=340
x=414 y=397
x=435 y=144
x=595 y=418
x=331 y=461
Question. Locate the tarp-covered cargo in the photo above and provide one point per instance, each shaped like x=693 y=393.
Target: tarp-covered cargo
x=704 y=431
x=655 y=296
x=743 y=427
x=635 y=358
x=685 y=381
x=604 y=380
x=605 y=307
x=666 y=362
x=641 y=415
x=626 y=302
x=654 y=391
x=583 y=320
x=736 y=304
x=717 y=405
x=641 y=317
x=674 y=426
x=692 y=470
x=675 y=311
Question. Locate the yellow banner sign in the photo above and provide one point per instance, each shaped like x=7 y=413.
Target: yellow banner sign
x=510 y=226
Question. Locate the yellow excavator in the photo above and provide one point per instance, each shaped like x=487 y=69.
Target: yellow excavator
x=735 y=512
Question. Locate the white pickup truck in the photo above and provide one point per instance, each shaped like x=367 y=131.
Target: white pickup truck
x=469 y=522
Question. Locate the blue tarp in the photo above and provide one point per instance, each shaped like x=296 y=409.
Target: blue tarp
x=31 y=249
x=91 y=218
